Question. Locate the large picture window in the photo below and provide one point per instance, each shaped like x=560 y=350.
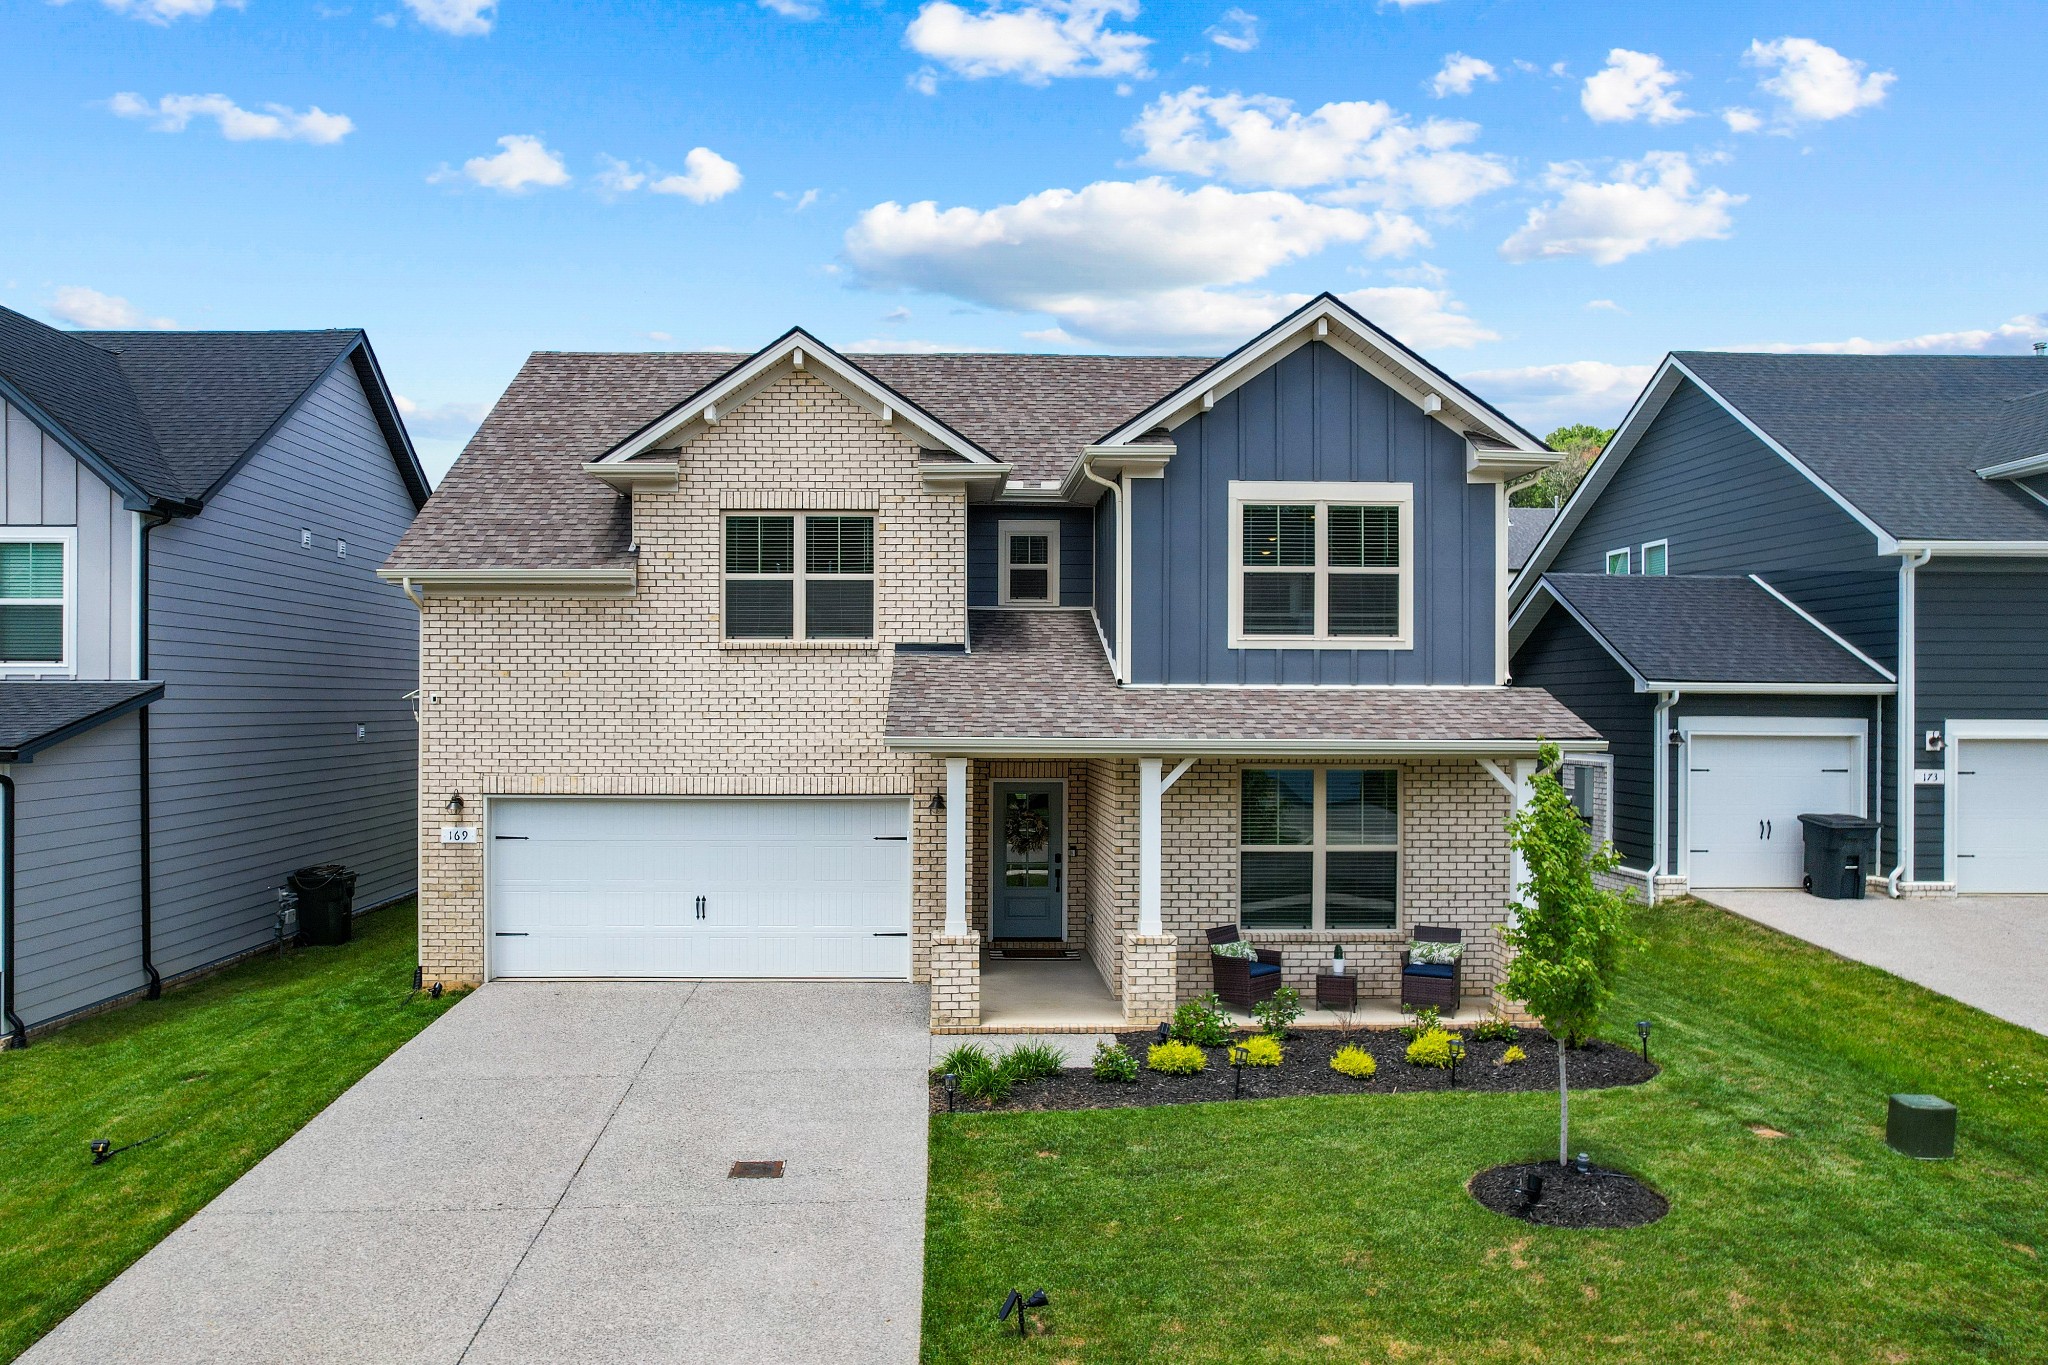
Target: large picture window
x=34 y=602
x=1321 y=565
x=809 y=570
x=1319 y=848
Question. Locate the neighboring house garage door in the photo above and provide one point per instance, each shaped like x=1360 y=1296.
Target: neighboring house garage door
x=659 y=887
x=1744 y=797
x=2000 y=788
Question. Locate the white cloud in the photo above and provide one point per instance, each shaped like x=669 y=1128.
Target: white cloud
x=797 y=202
x=1604 y=306
x=1545 y=396
x=164 y=11
x=83 y=307
x=618 y=177
x=524 y=163
x=2013 y=336
x=1459 y=74
x=792 y=9
x=1033 y=40
x=705 y=176
x=442 y=421
x=1405 y=4
x=1740 y=120
x=1632 y=85
x=463 y=18
x=1050 y=336
x=1237 y=31
x=1815 y=82
x=174 y=113
x=897 y=314
x=1365 y=149
x=1654 y=202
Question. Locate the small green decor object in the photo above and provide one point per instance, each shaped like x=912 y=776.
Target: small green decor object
x=1354 y=1061
x=1921 y=1126
x=1176 y=1059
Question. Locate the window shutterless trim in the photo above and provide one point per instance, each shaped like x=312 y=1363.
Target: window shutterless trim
x=1650 y=545
x=1051 y=531
x=1319 y=847
x=66 y=538
x=1323 y=496
x=799 y=573
x=1624 y=553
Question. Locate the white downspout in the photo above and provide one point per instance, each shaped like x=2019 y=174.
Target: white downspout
x=1120 y=665
x=1660 y=818
x=1908 y=648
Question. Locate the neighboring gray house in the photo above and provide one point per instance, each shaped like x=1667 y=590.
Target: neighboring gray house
x=1784 y=572
x=202 y=681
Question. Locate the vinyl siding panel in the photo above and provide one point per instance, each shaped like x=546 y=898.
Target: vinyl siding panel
x=42 y=485
x=78 y=845
x=1981 y=630
x=1077 y=552
x=272 y=654
x=1313 y=416
x=1560 y=657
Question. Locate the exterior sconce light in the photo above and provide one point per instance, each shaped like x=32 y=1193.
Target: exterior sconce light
x=938 y=801
x=455 y=803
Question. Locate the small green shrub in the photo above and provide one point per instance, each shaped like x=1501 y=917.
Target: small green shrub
x=1495 y=1030
x=1114 y=1062
x=1354 y=1061
x=1432 y=1049
x=1277 y=1011
x=962 y=1059
x=1032 y=1062
x=1426 y=1020
x=1512 y=1055
x=1202 y=1022
x=1176 y=1059
x=987 y=1082
x=1261 y=1049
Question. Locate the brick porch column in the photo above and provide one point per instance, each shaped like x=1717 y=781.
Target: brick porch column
x=1150 y=987
x=956 y=980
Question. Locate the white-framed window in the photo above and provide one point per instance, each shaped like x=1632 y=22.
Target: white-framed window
x=773 y=592
x=1657 y=557
x=38 y=620
x=1322 y=565
x=1319 y=848
x=1028 y=563
x=1617 y=561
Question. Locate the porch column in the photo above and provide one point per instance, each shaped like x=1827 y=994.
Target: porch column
x=1523 y=792
x=1150 y=921
x=956 y=847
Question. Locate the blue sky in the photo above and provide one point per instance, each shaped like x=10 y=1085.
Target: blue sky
x=1544 y=197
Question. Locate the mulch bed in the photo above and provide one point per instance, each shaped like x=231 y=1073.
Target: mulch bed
x=1305 y=1070
x=1599 y=1199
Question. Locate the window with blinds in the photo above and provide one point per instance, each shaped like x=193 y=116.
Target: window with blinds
x=32 y=604
x=771 y=593
x=1334 y=571
x=1028 y=570
x=1319 y=848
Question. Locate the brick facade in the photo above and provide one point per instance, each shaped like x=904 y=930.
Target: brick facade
x=1150 y=988
x=955 y=972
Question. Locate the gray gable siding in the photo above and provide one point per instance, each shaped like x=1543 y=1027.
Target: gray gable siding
x=272 y=654
x=1560 y=657
x=1077 y=551
x=1313 y=416
x=42 y=485
x=78 y=841
x=1106 y=567
x=1981 y=646
x=1729 y=504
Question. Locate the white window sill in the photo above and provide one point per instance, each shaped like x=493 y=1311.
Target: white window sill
x=788 y=646
x=1360 y=643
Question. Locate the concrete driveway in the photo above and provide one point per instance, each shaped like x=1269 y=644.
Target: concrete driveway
x=542 y=1176
x=1987 y=951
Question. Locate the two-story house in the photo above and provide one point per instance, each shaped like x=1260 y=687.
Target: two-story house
x=802 y=664
x=1812 y=583
x=202 y=681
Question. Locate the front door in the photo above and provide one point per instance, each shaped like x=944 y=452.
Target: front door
x=1028 y=899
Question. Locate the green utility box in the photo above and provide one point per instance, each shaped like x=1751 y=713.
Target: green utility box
x=1922 y=1126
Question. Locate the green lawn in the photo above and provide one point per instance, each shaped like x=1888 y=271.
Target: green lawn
x=1338 y=1229
x=225 y=1070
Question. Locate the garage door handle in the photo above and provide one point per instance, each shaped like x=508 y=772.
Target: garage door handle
x=510 y=836
x=903 y=934
x=511 y=933
x=891 y=838
x=700 y=907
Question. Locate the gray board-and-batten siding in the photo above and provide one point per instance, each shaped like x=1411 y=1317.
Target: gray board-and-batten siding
x=1313 y=417
x=42 y=485
x=1076 y=550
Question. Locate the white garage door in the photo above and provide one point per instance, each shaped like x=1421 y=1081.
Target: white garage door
x=766 y=888
x=1745 y=795
x=2001 y=833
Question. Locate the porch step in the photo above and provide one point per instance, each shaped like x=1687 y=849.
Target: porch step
x=1032 y=948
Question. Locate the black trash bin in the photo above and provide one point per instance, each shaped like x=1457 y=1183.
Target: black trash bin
x=1841 y=850
x=327 y=898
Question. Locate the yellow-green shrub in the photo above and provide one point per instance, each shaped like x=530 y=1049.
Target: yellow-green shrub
x=1176 y=1059
x=1261 y=1050
x=1353 y=1060
x=1432 y=1049
x=1513 y=1055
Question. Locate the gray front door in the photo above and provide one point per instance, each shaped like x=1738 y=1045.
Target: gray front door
x=1029 y=898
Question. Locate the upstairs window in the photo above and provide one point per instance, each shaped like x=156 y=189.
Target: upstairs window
x=1617 y=561
x=1321 y=565
x=34 y=600
x=1029 y=567
x=771 y=589
x=1657 y=557
x=1318 y=848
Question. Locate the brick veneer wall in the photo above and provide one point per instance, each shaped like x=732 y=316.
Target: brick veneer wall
x=1110 y=848
x=955 y=970
x=640 y=696
x=981 y=836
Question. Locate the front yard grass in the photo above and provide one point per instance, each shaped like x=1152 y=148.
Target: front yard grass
x=1339 y=1229
x=225 y=1070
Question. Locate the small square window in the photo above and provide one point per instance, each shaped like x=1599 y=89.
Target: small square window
x=1657 y=557
x=1028 y=564
x=1617 y=561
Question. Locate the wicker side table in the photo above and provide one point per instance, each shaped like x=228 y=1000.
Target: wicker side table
x=1336 y=992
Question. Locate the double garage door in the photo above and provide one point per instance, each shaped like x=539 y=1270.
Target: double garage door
x=1744 y=795
x=699 y=888
x=2001 y=832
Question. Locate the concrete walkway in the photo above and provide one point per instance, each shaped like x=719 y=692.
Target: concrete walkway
x=1986 y=951
x=542 y=1176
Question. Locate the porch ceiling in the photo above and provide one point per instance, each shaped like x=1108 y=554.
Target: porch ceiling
x=1037 y=682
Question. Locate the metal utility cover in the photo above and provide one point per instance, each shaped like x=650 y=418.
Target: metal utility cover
x=755 y=1170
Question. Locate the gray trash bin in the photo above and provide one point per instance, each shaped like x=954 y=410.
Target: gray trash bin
x=1841 y=850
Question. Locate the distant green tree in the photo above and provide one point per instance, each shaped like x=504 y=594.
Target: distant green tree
x=1567 y=933
x=1580 y=445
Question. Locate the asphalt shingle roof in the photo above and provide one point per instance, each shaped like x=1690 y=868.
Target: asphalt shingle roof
x=1041 y=675
x=2019 y=433
x=1706 y=628
x=31 y=713
x=1898 y=436
x=1526 y=526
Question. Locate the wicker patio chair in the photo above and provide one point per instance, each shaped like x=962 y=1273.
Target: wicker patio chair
x=1430 y=983
x=1243 y=981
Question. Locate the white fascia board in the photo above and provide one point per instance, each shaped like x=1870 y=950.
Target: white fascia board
x=1775 y=689
x=796 y=352
x=652 y=476
x=1050 y=746
x=977 y=482
x=1822 y=627
x=2016 y=469
x=607 y=582
x=1991 y=549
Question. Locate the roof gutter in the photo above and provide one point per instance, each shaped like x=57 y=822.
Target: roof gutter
x=1086 y=468
x=2017 y=549
x=17 y=1032
x=607 y=582
x=1660 y=819
x=1908 y=681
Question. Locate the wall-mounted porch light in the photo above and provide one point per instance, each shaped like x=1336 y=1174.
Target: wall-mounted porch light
x=455 y=803
x=938 y=801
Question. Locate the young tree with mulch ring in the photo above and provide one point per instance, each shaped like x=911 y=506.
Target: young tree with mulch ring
x=1566 y=932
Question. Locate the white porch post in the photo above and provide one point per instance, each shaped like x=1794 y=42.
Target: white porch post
x=956 y=847
x=1523 y=793
x=1150 y=921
